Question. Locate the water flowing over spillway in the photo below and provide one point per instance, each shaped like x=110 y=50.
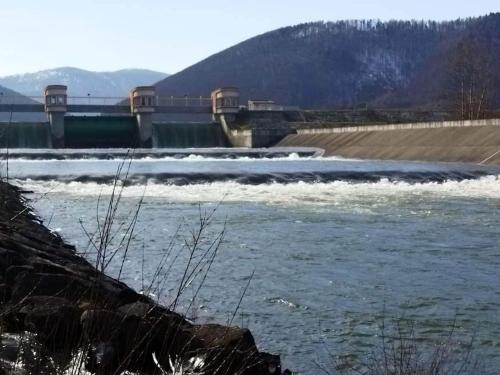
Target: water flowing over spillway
x=333 y=242
x=178 y=135
x=24 y=135
x=111 y=132
x=96 y=131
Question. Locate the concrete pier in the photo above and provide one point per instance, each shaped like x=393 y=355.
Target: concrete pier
x=55 y=106
x=142 y=104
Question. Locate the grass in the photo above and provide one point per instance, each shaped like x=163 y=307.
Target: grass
x=401 y=351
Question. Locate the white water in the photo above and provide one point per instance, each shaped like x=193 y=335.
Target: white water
x=338 y=192
x=194 y=158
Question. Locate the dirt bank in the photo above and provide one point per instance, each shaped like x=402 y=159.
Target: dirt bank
x=467 y=144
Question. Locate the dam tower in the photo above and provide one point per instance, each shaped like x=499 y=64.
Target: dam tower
x=56 y=100
x=142 y=105
x=225 y=102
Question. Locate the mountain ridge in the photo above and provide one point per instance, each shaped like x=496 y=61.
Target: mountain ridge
x=342 y=64
x=82 y=82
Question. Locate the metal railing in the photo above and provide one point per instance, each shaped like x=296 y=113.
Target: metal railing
x=20 y=99
x=161 y=101
x=172 y=101
x=97 y=100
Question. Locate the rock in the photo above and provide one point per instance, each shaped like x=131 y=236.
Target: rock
x=101 y=358
x=141 y=310
x=228 y=348
x=100 y=325
x=13 y=271
x=55 y=320
x=118 y=340
x=28 y=283
x=4 y=293
x=9 y=348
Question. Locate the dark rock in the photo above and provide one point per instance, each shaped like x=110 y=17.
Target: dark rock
x=4 y=293
x=28 y=283
x=55 y=320
x=100 y=325
x=101 y=358
x=229 y=348
x=11 y=272
x=141 y=309
x=9 y=348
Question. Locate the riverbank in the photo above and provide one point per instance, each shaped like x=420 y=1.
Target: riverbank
x=56 y=305
x=475 y=144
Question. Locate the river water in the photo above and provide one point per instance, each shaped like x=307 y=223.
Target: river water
x=334 y=245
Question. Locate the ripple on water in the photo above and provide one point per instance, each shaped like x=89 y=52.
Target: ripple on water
x=287 y=303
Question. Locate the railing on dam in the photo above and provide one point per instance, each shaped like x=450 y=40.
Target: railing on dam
x=89 y=103
x=96 y=100
x=165 y=101
x=20 y=99
x=162 y=101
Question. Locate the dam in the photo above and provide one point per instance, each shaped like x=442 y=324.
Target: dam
x=143 y=120
x=147 y=121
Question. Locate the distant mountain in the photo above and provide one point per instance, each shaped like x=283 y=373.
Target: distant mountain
x=8 y=96
x=348 y=63
x=6 y=93
x=82 y=82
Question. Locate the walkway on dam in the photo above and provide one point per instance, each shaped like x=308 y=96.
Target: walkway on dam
x=107 y=105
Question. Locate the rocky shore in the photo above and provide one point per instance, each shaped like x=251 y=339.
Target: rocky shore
x=59 y=312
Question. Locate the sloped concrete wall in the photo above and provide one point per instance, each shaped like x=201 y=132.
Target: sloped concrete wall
x=474 y=142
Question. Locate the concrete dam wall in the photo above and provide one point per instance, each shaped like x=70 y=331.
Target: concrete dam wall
x=474 y=142
x=111 y=132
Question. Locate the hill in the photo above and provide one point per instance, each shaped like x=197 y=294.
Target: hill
x=82 y=82
x=349 y=63
x=10 y=96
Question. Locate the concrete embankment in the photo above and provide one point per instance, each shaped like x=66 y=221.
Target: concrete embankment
x=54 y=304
x=472 y=141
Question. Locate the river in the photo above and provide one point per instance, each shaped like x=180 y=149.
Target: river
x=333 y=245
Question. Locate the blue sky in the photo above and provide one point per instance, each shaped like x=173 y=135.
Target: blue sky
x=169 y=35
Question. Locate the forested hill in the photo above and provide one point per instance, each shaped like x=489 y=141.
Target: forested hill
x=352 y=63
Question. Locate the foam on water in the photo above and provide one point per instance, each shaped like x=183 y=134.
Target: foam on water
x=190 y=158
x=336 y=192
